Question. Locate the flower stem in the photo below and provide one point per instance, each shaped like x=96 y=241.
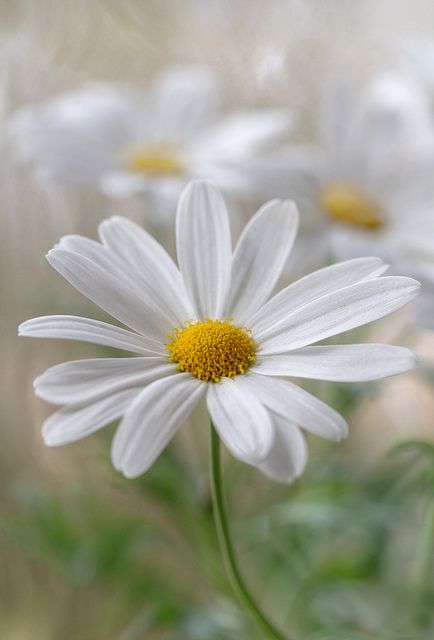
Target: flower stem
x=226 y=547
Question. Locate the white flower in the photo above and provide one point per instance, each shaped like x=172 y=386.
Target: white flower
x=102 y=135
x=423 y=313
x=368 y=187
x=210 y=330
x=415 y=58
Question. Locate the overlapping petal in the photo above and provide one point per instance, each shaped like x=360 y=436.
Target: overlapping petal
x=241 y=420
x=84 y=380
x=160 y=287
x=260 y=256
x=313 y=286
x=78 y=421
x=112 y=292
x=152 y=420
x=288 y=457
x=142 y=255
x=339 y=311
x=296 y=405
x=204 y=247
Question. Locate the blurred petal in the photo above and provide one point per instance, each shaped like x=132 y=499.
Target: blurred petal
x=76 y=136
x=183 y=100
x=294 y=172
x=335 y=123
x=240 y=134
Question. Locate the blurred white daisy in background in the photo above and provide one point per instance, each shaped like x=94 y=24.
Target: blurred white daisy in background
x=424 y=312
x=367 y=187
x=415 y=58
x=105 y=136
x=210 y=330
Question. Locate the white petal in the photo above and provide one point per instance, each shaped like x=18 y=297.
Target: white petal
x=336 y=120
x=240 y=134
x=92 y=250
x=113 y=293
x=342 y=363
x=297 y=405
x=339 y=311
x=183 y=99
x=142 y=282
x=77 y=136
x=393 y=127
x=153 y=420
x=241 y=420
x=293 y=172
x=288 y=457
x=204 y=247
x=260 y=256
x=87 y=330
x=78 y=421
x=423 y=314
x=84 y=380
x=313 y=286
x=152 y=265
x=120 y=184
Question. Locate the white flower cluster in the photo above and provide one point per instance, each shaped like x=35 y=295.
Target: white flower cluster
x=212 y=327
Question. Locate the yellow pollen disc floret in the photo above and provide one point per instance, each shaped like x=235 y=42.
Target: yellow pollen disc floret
x=157 y=158
x=347 y=204
x=211 y=349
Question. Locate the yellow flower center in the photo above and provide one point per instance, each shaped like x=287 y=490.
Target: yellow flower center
x=211 y=349
x=158 y=158
x=347 y=204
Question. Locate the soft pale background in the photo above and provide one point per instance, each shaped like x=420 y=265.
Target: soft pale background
x=84 y=554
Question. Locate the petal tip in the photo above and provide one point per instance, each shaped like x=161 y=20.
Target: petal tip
x=130 y=474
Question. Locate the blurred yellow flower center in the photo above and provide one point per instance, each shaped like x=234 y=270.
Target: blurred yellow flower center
x=347 y=204
x=158 y=158
x=211 y=350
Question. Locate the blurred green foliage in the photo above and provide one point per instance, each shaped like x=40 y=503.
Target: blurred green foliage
x=346 y=553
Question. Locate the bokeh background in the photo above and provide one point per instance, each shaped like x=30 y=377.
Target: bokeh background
x=344 y=553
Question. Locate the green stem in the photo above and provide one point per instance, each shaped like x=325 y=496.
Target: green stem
x=226 y=548
x=423 y=565
x=423 y=570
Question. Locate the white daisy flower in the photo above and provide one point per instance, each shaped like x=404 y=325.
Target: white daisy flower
x=210 y=330
x=367 y=187
x=415 y=58
x=423 y=313
x=105 y=136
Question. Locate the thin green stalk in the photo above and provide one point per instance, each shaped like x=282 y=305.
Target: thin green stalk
x=424 y=562
x=226 y=547
x=423 y=570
